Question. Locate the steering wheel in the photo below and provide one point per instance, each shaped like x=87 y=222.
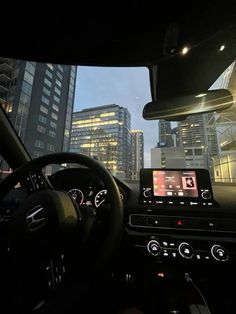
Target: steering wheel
x=46 y=212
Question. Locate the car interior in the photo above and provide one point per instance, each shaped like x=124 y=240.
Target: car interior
x=121 y=246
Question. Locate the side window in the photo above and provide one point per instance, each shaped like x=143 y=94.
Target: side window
x=4 y=168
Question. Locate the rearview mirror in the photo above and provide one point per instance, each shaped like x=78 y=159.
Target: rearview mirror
x=178 y=108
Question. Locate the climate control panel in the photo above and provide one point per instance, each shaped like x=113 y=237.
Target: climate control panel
x=184 y=250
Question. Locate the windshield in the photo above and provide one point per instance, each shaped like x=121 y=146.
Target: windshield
x=97 y=111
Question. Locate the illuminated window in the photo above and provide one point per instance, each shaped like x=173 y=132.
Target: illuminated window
x=87 y=145
x=50 y=66
x=88 y=125
x=107 y=114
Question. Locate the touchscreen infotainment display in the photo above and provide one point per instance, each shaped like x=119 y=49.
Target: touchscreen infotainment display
x=174 y=183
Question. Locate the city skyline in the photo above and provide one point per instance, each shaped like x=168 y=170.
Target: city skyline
x=127 y=87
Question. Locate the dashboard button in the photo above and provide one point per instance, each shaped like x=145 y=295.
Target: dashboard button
x=219 y=253
x=159 y=202
x=166 y=253
x=185 y=250
x=165 y=243
x=153 y=247
x=174 y=254
x=206 y=256
x=211 y=225
x=198 y=256
x=152 y=221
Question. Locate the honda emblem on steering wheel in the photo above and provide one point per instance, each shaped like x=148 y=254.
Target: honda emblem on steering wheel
x=35 y=218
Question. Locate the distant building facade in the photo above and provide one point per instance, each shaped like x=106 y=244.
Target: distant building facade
x=175 y=137
x=167 y=157
x=165 y=135
x=199 y=141
x=39 y=99
x=137 y=152
x=104 y=133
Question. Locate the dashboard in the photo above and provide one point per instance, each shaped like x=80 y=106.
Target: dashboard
x=171 y=215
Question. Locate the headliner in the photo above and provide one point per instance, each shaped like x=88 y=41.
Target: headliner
x=130 y=34
x=120 y=34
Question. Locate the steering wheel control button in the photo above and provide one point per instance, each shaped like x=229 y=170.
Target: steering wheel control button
x=206 y=195
x=219 y=253
x=185 y=250
x=153 y=248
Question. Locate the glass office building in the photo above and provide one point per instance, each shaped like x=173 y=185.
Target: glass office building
x=39 y=99
x=104 y=134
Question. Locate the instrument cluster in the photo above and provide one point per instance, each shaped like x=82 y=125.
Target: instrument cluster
x=86 y=188
x=91 y=196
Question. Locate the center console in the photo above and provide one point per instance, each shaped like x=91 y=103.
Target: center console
x=178 y=218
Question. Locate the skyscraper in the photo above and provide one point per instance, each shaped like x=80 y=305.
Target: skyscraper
x=8 y=74
x=104 y=133
x=39 y=102
x=199 y=141
x=137 y=148
x=7 y=78
x=165 y=135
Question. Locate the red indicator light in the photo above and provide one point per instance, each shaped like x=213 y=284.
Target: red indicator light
x=179 y=223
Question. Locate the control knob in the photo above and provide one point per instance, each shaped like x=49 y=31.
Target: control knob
x=219 y=253
x=206 y=195
x=153 y=247
x=147 y=193
x=185 y=250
